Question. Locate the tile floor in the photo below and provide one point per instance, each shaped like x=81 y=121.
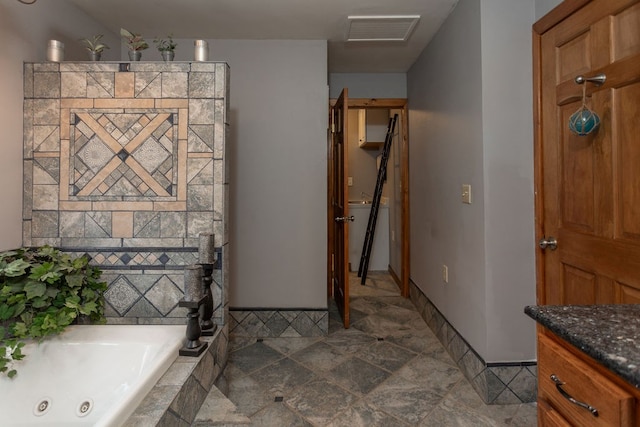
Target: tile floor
x=388 y=369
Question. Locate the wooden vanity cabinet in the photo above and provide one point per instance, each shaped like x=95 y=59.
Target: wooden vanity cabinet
x=564 y=372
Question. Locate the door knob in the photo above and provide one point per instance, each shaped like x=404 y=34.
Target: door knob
x=345 y=218
x=550 y=243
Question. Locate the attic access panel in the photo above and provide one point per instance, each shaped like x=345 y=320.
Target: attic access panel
x=381 y=28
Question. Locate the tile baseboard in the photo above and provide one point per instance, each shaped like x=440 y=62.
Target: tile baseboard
x=273 y=323
x=495 y=383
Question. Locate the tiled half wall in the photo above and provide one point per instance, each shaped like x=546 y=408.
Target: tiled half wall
x=495 y=383
x=126 y=162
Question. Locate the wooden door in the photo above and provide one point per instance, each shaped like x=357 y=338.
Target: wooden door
x=339 y=207
x=588 y=187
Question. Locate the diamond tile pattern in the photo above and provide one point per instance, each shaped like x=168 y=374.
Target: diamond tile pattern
x=121 y=295
x=119 y=163
x=358 y=377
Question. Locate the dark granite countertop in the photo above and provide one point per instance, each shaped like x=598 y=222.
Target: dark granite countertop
x=610 y=334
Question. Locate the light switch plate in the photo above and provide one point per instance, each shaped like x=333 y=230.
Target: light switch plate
x=350 y=181
x=466 y=193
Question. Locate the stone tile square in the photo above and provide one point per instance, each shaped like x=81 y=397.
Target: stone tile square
x=366 y=305
x=121 y=295
x=450 y=413
x=349 y=340
x=143 y=309
x=202 y=85
x=398 y=314
x=277 y=414
x=386 y=356
x=400 y=302
x=290 y=346
x=253 y=357
x=431 y=374
x=439 y=353
x=189 y=400
x=46 y=85
x=364 y=414
x=217 y=410
x=318 y=401
x=358 y=376
x=164 y=295
x=464 y=396
x=320 y=357
x=404 y=399
x=282 y=377
x=524 y=385
x=377 y=326
x=247 y=394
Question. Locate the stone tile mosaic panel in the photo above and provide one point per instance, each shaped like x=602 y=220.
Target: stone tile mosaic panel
x=123 y=162
x=495 y=383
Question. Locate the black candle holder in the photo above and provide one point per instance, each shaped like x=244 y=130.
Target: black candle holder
x=193 y=347
x=206 y=309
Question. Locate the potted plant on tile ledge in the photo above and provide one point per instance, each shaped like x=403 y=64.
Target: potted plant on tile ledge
x=94 y=46
x=166 y=47
x=135 y=42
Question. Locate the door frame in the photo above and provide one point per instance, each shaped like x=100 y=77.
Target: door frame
x=391 y=103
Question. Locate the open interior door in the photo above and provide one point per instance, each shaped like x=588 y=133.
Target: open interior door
x=339 y=207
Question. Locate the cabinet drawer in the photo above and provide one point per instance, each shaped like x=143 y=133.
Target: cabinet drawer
x=548 y=417
x=615 y=407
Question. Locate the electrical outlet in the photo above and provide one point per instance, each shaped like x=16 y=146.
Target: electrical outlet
x=350 y=181
x=445 y=273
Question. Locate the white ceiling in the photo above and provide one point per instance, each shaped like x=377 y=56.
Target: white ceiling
x=280 y=19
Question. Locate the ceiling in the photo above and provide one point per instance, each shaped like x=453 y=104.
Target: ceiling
x=281 y=19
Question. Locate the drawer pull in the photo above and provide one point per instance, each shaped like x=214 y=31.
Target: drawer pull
x=567 y=396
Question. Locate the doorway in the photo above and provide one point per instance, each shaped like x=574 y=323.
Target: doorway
x=398 y=192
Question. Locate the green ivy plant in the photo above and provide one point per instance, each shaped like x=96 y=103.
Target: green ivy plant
x=42 y=291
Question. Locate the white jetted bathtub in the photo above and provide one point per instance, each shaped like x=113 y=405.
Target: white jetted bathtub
x=88 y=375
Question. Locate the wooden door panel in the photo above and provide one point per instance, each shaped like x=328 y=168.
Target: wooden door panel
x=627 y=131
x=579 y=286
x=628 y=294
x=573 y=57
x=626 y=33
x=591 y=184
x=578 y=162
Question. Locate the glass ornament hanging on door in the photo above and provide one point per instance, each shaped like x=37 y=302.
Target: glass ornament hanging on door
x=584 y=121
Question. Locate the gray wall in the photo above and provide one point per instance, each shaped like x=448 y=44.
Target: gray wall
x=24 y=30
x=369 y=85
x=544 y=6
x=470 y=123
x=507 y=126
x=278 y=177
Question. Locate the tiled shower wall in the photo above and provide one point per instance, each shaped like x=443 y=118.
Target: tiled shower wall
x=125 y=162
